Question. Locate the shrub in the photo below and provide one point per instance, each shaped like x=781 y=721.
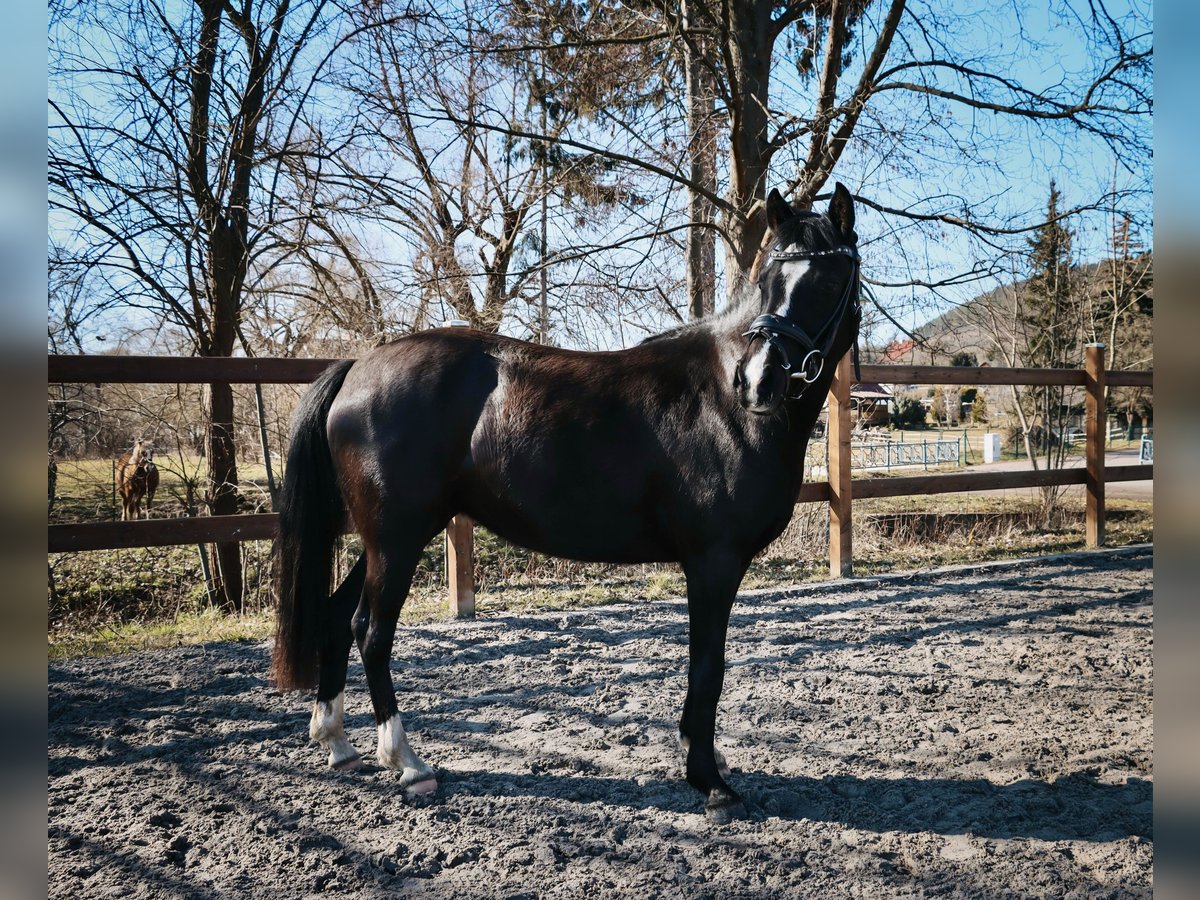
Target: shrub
x=979 y=410
x=910 y=413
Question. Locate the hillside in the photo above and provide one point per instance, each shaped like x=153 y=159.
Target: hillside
x=983 y=326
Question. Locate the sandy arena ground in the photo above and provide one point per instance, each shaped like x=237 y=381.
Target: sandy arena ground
x=972 y=732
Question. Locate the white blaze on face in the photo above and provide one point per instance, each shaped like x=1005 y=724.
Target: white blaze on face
x=755 y=369
x=793 y=271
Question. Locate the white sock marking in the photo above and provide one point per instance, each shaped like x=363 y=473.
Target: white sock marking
x=395 y=753
x=327 y=728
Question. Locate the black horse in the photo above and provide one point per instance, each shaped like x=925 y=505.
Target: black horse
x=686 y=448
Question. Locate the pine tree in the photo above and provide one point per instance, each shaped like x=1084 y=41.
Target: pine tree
x=1052 y=322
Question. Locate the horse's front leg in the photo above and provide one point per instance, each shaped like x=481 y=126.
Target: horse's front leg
x=712 y=583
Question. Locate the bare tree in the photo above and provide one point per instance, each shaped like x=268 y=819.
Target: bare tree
x=884 y=93
x=1119 y=310
x=876 y=86
x=170 y=126
x=458 y=147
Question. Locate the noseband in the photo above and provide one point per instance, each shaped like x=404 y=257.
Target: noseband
x=773 y=329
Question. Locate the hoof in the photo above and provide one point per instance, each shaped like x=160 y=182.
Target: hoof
x=349 y=764
x=723 y=807
x=418 y=784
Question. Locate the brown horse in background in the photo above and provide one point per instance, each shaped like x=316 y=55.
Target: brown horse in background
x=137 y=477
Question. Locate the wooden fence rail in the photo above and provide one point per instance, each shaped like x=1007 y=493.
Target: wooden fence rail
x=839 y=491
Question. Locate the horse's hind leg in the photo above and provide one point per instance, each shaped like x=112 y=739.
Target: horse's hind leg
x=328 y=714
x=388 y=578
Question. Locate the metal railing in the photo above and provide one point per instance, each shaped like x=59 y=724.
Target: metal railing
x=886 y=454
x=897 y=454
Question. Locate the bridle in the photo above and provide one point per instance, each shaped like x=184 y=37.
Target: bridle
x=773 y=329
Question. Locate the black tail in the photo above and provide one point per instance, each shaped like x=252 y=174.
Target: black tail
x=311 y=513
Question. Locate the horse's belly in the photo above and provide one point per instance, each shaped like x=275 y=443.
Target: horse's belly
x=598 y=531
x=585 y=517
x=604 y=483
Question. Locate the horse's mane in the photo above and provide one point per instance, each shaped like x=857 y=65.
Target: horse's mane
x=745 y=295
x=748 y=295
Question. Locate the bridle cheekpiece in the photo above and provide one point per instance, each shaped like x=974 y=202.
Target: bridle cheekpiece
x=774 y=329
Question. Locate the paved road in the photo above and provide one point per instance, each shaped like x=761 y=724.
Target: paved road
x=1115 y=490
x=1118 y=490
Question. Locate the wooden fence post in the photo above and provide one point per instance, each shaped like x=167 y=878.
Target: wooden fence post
x=1096 y=431
x=460 y=566
x=841 y=551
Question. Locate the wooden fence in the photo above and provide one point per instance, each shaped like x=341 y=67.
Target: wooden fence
x=838 y=491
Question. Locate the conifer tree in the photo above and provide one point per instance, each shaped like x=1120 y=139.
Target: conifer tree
x=1051 y=316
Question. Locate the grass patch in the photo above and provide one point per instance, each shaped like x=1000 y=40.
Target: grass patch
x=86 y=491
x=184 y=629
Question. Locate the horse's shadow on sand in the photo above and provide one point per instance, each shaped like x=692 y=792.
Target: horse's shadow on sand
x=1072 y=807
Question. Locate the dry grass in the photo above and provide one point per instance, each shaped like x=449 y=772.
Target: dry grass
x=86 y=491
x=114 y=601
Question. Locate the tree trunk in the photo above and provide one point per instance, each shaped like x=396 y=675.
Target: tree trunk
x=223 y=494
x=750 y=150
x=265 y=443
x=702 y=157
x=227 y=269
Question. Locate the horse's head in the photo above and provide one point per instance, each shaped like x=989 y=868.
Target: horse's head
x=142 y=453
x=808 y=282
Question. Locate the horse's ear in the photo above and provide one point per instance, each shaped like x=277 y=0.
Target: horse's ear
x=841 y=212
x=778 y=210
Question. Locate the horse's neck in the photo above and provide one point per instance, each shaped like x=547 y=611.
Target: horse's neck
x=729 y=328
x=743 y=307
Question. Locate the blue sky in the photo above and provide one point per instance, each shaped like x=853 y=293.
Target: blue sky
x=1039 y=49
x=1019 y=161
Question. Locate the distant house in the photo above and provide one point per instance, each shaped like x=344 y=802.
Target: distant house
x=871 y=404
x=898 y=352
